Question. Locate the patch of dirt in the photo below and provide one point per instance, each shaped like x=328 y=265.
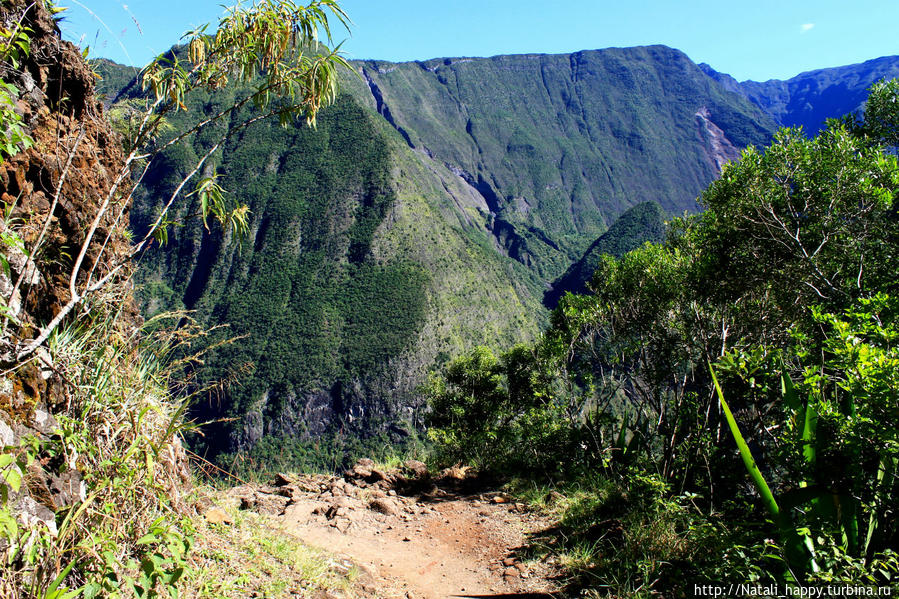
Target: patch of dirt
x=411 y=536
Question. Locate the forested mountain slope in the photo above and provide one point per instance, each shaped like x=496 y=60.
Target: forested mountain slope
x=644 y=222
x=560 y=145
x=429 y=211
x=363 y=262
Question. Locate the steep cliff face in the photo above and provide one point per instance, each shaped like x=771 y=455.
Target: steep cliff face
x=359 y=268
x=51 y=193
x=560 y=145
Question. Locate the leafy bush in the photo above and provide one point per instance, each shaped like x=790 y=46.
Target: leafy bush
x=840 y=448
x=789 y=274
x=502 y=414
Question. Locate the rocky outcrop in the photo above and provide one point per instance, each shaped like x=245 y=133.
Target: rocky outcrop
x=50 y=193
x=363 y=491
x=53 y=190
x=719 y=149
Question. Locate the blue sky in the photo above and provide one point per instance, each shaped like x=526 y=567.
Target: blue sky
x=761 y=39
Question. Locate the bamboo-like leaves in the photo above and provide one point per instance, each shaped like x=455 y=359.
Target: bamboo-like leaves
x=886 y=473
x=55 y=592
x=809 y=430
x=799 y=550
x=213 y=204
x=754 y=473
x=788 y=391
x=271 y=46
x=239 y=220
x=264 y=44
x=808 y=424
x=212 y=199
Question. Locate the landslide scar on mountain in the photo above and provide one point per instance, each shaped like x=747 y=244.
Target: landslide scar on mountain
x=720 y=149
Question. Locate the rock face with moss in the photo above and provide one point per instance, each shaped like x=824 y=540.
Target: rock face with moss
x=50 y=192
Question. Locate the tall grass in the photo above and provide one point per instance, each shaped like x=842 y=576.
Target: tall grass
x=626 y=536
x=118 y=427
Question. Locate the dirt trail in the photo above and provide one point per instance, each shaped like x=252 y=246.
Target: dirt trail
x=410 y=536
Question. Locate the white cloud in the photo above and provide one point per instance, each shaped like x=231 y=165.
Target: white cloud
x=806 y=27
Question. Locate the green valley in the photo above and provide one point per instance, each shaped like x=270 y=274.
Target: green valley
x=415 y=221
x=431 y=210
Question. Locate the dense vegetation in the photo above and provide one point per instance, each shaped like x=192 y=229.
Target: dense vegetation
x=95 y=488
x=304 y=283
x=349 y=261
x=783 y=291
x=468 y=228
x=346 y=221
x=644 y=222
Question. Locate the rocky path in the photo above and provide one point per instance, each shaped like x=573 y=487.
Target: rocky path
x=410 y=536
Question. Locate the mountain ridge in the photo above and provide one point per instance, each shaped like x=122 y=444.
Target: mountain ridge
x=563 y=122
x=811 y=97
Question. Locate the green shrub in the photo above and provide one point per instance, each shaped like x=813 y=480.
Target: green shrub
x=503 y=414
x=834 y=492
x=789 y=274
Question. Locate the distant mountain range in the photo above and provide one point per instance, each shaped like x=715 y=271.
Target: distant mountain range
x=810 y=98
x=433 y=208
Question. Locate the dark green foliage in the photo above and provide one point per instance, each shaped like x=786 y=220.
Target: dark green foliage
x=806 y=223
x=881 y=118
x=384 y=307
x=113 y=79
x=313 y=309
x=501 y=414
x=788 y=275
x=644 y=222
x=838 y=451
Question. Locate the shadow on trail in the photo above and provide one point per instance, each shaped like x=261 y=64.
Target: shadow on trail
x=444 y=489
x=511 y=596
